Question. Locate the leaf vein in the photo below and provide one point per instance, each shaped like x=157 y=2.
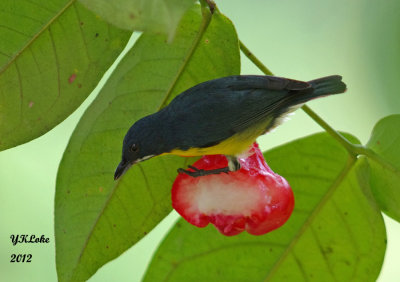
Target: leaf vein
x=210 y=251
x=322 y=251
x=341 y=176
x=81 y=32
x=204 y=24
x=35 y=36
x=300 y=266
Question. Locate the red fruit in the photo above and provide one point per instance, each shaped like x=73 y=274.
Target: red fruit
x=253 y=198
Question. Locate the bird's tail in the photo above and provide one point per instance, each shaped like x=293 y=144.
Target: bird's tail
x=319 y=88
x=327 y=85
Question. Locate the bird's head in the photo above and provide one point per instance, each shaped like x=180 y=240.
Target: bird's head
x=138 y=145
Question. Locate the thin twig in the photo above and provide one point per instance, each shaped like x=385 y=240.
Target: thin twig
x=351 y=148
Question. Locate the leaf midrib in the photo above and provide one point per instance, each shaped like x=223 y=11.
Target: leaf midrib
x=341 y=176
x=204 y=24
x=43 y=28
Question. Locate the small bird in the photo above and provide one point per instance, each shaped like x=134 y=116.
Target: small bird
x=220 y=116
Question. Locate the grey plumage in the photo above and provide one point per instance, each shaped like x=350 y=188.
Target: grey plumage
x=212 y=111
x=215 y=110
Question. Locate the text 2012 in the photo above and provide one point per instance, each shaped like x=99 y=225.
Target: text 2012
x=21 y=258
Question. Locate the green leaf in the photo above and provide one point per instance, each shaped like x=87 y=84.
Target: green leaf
x=96 y=218
x=160 y=16
x=52 y=55
x=336 y=232
x=385 y=165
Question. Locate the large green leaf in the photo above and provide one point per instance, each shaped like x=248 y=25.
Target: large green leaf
x=144 y=15
x=96 y=218
x=52 y=55
x=385 y=166
x=336 y=232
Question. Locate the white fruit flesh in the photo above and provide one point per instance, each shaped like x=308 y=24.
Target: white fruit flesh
x=224 y=194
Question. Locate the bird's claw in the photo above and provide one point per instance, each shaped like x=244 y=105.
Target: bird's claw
x=201 y=172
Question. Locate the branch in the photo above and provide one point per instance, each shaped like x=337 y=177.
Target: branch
x=254 y=59
x=351 y=148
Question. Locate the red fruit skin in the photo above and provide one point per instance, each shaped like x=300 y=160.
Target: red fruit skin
x=272 y=208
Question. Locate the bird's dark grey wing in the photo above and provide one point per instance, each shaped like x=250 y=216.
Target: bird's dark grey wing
x=215 y=110
x=246 y=82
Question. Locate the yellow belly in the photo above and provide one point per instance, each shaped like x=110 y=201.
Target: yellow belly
x=233 y=146
x=228 y=147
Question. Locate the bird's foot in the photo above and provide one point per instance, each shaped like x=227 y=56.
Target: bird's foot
x=195 y=172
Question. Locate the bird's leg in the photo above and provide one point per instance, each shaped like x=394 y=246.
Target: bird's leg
x=233 y=165
x=202 y=172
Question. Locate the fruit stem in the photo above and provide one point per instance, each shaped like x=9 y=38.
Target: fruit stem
x=210 y=4
x=353 y=149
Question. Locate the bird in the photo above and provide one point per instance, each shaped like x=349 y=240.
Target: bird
x=220 y=116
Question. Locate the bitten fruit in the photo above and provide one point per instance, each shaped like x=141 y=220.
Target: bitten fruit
x=253 y=198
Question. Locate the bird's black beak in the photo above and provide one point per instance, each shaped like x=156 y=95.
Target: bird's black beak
x=121 y=169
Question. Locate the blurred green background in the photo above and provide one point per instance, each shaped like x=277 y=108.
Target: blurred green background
x=359 y=39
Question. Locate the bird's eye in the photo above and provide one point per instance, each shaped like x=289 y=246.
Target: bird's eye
x=134 y=148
